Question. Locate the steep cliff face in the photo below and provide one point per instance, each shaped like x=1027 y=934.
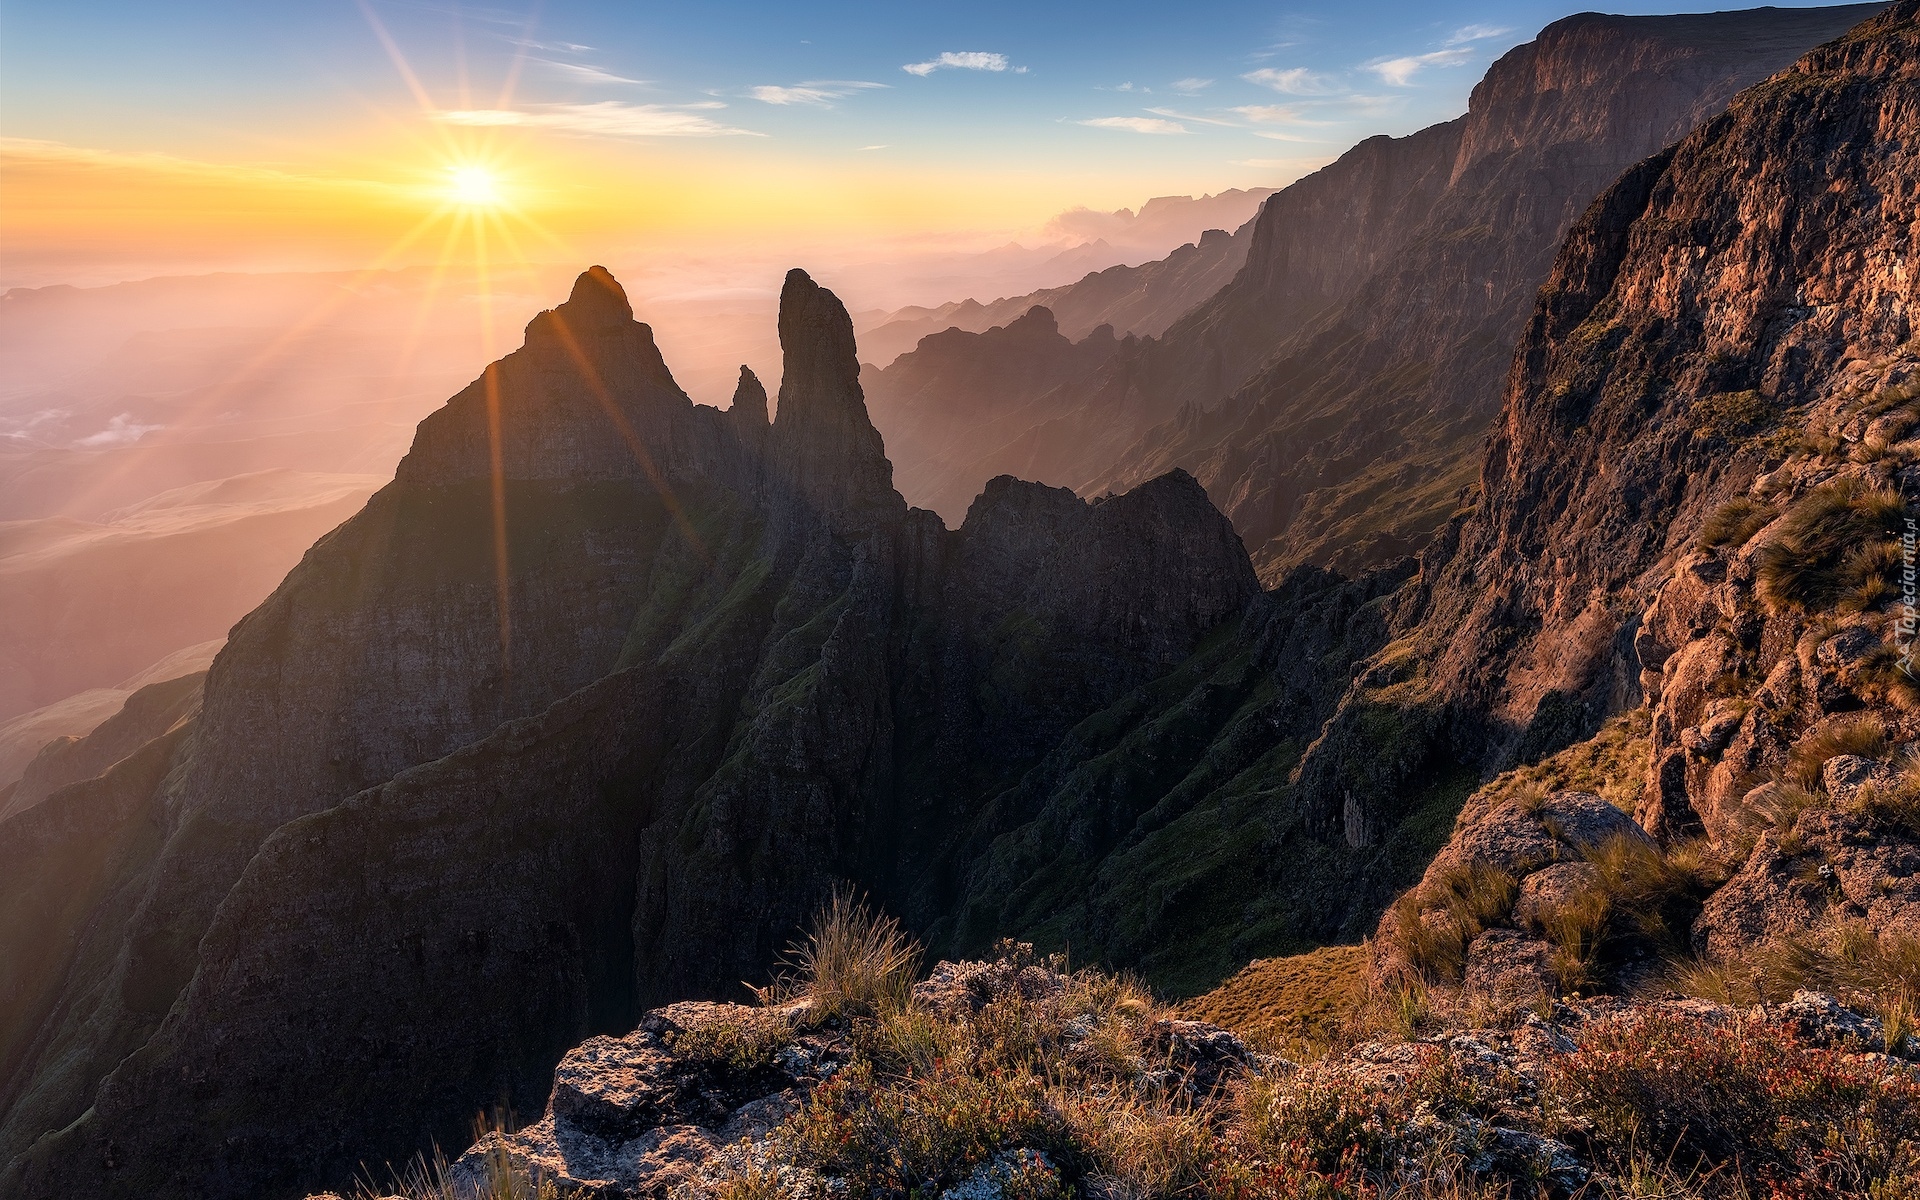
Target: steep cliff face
x=1693 y=497
x=1723 y=375
x=934 y=401
x=673 y=673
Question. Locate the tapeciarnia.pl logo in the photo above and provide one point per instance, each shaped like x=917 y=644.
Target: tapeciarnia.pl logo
x=1909 y=621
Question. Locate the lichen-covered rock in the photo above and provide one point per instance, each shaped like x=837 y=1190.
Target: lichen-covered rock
x=1508 y=968
x=641 y=1114
x=1549 y=889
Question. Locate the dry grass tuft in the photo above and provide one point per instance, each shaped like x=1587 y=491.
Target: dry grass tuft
x=1811 y=561
x=855 y=962
x=1864 y=735
x=1734 y=523
x=1896 y=804
x=1433 y=924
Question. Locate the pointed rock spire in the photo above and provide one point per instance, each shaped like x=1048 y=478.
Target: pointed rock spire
x=825 y=447
x=749 y=401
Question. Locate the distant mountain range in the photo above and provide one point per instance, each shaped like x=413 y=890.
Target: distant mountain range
x=1333 y=395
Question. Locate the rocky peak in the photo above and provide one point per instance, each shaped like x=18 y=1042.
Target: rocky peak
x=1036 y=322
x=749 y=406
x=1635 y=83
x=587 y=396
x=824 y=448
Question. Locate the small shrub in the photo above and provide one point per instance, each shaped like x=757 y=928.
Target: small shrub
x=1748 y=1106
x=745 y=1042
x=893 y=1135
x=1864 y=735
x=1804 y=564
x=1734 y=523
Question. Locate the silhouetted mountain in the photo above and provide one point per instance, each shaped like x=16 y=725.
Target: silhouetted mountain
x=937 y=395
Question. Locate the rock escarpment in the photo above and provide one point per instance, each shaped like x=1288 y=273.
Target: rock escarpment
x=1693 y=515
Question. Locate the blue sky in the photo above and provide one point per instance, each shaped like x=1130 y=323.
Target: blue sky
x=995 y=114
x=217 y=77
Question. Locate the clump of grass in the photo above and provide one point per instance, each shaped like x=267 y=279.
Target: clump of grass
x=1779 y=805
x=854 y=962
x=1640 y=899
x=1864 y=735
x=428 y=1177
x=1882 y=677
x=1805 y=564
x=1734 y=523
x=1846 y=958
x=1896 y=803
x=1464 y=901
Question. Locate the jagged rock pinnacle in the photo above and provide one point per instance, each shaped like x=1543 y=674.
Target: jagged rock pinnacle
x=749 y=399
x=825 y=446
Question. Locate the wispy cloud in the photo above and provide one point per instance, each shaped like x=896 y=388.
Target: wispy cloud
x=1183 y=116
x=820 y=93
x=1137 y=124
x=546 y=47
x=1189 y=87
x=582 y=73
x=1402 y=71
x=1269 y=114
x=122 y=430
x=964 y=60
x=881 y=146
x=1294 y=81
x=608 y=118
x=1475 y=33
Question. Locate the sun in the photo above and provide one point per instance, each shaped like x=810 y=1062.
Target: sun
x=474 y=187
